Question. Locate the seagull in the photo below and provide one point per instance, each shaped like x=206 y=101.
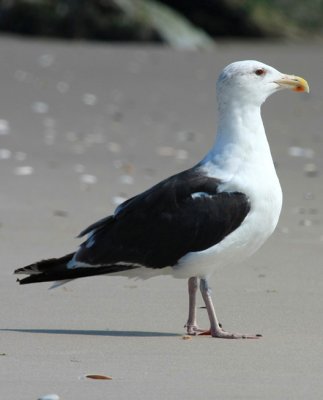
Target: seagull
x=215 y=214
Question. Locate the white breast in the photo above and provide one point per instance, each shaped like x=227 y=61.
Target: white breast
x=262 y=187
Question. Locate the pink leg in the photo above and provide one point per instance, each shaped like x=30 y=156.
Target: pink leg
x=191 y=324
x=216 y=329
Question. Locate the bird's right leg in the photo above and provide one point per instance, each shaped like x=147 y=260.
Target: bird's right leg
x=191 y=324
x=216 y=329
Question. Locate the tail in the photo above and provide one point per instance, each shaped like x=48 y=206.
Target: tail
x=56 y=269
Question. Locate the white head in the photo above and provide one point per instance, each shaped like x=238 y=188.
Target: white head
x=251 y=82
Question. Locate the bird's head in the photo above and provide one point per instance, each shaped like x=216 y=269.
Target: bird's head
x=252 y=82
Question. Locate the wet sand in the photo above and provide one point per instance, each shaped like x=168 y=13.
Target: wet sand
x=84 y=126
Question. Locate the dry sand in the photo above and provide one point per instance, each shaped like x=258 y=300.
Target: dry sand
x=83 y=126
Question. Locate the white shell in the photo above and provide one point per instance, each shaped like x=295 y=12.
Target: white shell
x=52 y=396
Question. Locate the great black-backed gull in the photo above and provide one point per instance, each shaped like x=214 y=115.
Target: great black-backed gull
x=216 y=213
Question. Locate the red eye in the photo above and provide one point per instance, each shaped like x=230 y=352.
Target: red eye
x=260 y=72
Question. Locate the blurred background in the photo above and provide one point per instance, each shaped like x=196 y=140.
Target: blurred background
x=97 y=105
x=178 y=23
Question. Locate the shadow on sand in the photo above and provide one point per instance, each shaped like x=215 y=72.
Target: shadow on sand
x=92 y=332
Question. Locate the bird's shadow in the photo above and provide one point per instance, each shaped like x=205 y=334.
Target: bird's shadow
x=88 y=332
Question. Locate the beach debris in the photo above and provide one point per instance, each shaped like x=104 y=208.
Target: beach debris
x=118 y=164
x=126 y=167
x=309 y=196
x=62 y=86
x=24 y=170
x=119 y=199
x=39 y=107
x=51 y=396
x=3 y=354
x=89 y=179
x=284 y=230
x=306 y=222
x=4 y=127
x=99 y=377
x=311 y=170
x=5 y=154
x=187 y=337
x=46 y=60
x=126 y=179
x=89 y=99
x=114 y=147
x=295 y=151
x=60 y=213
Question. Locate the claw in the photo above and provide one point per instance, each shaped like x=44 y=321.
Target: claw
x=227 y=335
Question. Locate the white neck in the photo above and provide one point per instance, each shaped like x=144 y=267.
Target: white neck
x=240 y=137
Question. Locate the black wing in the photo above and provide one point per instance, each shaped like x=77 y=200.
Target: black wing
x=184 y=213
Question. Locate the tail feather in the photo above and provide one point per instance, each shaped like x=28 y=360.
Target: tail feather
x=45 y=270
x=55 y=269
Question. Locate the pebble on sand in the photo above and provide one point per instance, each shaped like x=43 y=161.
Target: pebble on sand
x=89 y=99
x=5 y=154
x=126 y=179
x=39 y=107
x=88 y=179
x=4 y=127
x=24 y=170
x=310 y=170
x=296 y=151
x=117 y=200
x=46 y=60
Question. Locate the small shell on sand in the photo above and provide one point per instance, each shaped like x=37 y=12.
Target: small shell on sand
x=24 y=170
x=4 y=127
x=52 y=396
x=99 y=377
x=5 y=154
x=40 y=107
x=89 y=99
x=187 y=337
x=310 y=170
x=88 y=179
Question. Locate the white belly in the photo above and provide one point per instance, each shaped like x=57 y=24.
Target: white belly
x=259 y=224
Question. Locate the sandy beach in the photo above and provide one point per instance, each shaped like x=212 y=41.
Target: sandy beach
x=85 y=126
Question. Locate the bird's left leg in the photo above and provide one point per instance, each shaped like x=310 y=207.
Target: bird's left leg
x=191 y=324
x=216 y=328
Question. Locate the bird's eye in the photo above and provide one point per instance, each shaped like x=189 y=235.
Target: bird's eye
x=260 y=71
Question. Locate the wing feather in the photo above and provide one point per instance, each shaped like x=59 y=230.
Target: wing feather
x=161 y=225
